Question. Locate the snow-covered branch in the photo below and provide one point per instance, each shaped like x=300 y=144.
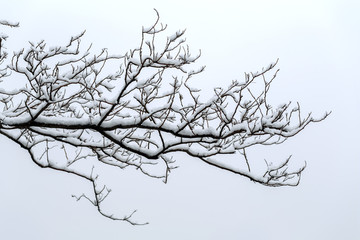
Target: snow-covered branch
x=136 y=109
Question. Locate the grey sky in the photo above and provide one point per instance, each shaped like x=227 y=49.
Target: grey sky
x=317 y=43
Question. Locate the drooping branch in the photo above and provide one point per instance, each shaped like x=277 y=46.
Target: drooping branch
x=136 y=109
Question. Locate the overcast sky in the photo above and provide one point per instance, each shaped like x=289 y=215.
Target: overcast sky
x=317 y=42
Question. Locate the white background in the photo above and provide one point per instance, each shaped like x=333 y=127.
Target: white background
x=318 y=44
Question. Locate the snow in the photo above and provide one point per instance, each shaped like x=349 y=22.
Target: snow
x=175 y=36
x=9 y=23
